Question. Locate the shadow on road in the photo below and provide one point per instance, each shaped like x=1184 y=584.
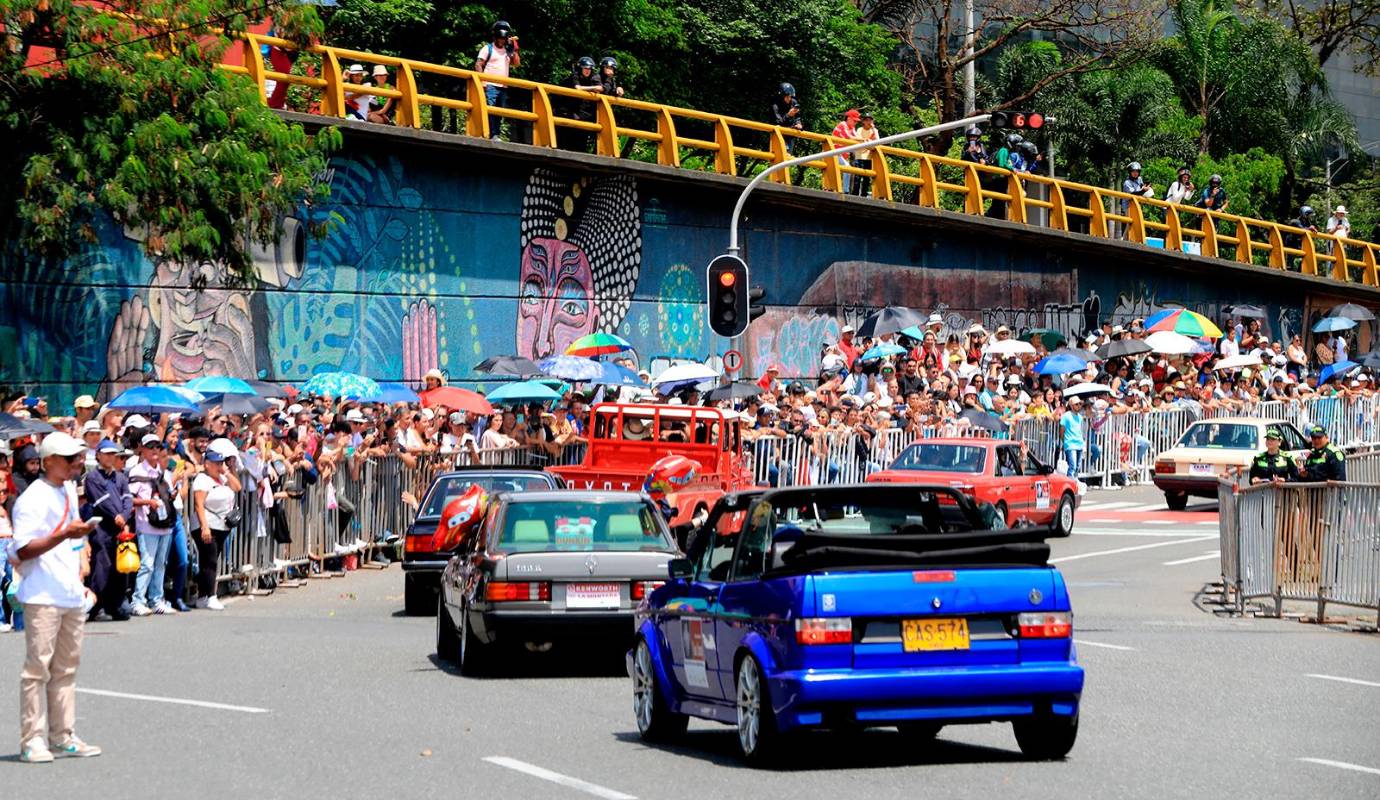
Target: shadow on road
x=518 y=664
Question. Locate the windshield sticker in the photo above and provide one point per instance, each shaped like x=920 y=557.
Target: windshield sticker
x=574 y=533
x=696 y=673
x=1042 y=494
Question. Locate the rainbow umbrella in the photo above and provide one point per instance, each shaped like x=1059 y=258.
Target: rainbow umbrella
x=1181 y=320
x=598 y=344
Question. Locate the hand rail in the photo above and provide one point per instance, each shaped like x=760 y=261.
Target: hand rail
x=691 y=139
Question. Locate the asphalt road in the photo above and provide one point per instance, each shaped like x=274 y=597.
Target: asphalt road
x=329 y=691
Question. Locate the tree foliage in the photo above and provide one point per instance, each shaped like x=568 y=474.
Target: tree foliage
x=118 y=112
x=1331 y=27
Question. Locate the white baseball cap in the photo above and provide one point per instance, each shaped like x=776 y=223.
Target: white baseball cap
x=90 y=426
x=60 y=444
x=354 y=415
x=224 y=447
x=456 y=418
x=428 y=414
x=935 y=319
x=294 y=409
x=136 y=421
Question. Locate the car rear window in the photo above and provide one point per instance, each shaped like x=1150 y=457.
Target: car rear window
x=1229 y=436
x=579 y=526
x=927 y=457
x=448 y=488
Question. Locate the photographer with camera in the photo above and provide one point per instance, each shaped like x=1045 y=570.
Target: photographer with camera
x=787 y=113
x=499 y=57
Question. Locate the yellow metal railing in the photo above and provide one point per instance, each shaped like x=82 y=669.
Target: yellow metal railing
x=731 y=146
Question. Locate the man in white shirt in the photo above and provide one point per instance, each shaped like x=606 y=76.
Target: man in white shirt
x=48 y=539
x=498 y=57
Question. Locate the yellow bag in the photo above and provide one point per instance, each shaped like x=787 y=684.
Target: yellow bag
x=127 y=557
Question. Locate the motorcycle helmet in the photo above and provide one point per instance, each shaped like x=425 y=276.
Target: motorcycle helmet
x=1134 y=166
x=608 y=61
x=502 y=28
x=973 y=131
x=585 y=62
x=786 y=89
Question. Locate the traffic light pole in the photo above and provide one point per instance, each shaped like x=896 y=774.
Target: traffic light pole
x=838 y=151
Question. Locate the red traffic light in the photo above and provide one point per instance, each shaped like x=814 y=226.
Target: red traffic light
x=1018 y=120
x=1034 y=120
x=727 y=279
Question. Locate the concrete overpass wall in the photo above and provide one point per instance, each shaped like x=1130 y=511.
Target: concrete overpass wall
x=441 y=251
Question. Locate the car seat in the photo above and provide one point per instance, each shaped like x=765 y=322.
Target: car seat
x=531 y=531
x=624 y=528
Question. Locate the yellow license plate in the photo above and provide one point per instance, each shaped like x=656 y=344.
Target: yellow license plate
x=940 y=633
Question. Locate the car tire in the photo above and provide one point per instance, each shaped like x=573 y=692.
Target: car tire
x=447 y=643
x=1045 y=736
x=1003 y=513
x=919 y=731
x=473 y=656
x=419 y=597
x=1063 y=515
x=759 y=740
x=1177 y=501
x=656 y=722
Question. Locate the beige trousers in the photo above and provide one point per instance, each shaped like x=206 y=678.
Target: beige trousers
x=52 y=640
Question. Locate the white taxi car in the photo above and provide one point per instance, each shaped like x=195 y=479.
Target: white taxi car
x=1212 y=448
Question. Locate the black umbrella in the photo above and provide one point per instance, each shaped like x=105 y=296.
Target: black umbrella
x=1086 y=355
x=1122 y=348
x=1255 y=312
x=12 y=427
x=733 y=391
x=892 y=319
x=238 y=404
x=266 y=389
x=508 y=365
x=1370 y=360
x=981 y=419
x=1352 y=311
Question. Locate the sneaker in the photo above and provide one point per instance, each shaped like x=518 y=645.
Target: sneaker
x=5 y=627
x=35 y=751
x=140 y=610
x=164 y=608
x=76 y=748
x=181 y=606
x=210 y=604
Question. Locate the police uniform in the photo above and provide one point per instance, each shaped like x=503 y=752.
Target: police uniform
x=1268 y=467
x=1326 y=463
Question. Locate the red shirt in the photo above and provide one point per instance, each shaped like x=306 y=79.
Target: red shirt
x=850 y=353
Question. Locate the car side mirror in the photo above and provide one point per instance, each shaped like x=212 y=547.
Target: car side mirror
x=679 y=569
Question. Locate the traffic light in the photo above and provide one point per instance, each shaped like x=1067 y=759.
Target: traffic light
x=755 y=294
x=728 y=295
x=1018 y=120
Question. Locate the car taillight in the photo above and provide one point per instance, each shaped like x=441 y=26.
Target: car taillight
x=641 y=589
x=505 y=591
x=418 y=543
x=1164 y=467
x=824 y=630
x=1045 y=625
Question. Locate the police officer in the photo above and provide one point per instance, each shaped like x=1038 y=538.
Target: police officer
x=1272 y=466
x=1325 y=462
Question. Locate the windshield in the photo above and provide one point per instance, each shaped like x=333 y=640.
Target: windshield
x=581 y=526
x=927 y=513
x=927 y=457
x=450 y=487
x=1231 y=436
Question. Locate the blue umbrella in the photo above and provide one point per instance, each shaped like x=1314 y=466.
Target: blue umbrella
x=393 y=393
x=1060 y=364
x=341 y=385
x=1333 y=324
x=219 y=384
x=522 y=392
x=154 y=400
x=571 y=368
x=1333 y=370
x=914 y=332
x=882 y=351
x=617 y=375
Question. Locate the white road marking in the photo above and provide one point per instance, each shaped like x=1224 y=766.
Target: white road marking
x=1327 y=762
x=1096 y=553
x=1159 y=522
x=1105 y=506
x=1142 y=534
x=1356 y=681
x=1146 y=507
x=1087 y=643
x=174 y=700
x=1212 y=522
x=1204 y=557
x=556 y=777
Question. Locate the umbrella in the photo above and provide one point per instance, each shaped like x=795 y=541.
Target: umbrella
x=155 y=400
x=598 y=344
x=1048 y=337
x=1333 y=370
x=1083 y=389
x=1370 y=360
x=522 y=392
x=1170 y=343
x=1333 y=324
x=508 y=365
x=1060 y=364
x=882 y=351
x=616 y=375
x=1010 y=347
x=266 y=389
x=914 y=332
x=892 y=319
x=219 y=384
x=235 y=403
x=345 y=385
x=687 y=373
x=1122 y=348
x=733 y=391
x=12 y=427
x=1239 y=361
x=982 y=419
x=1077 y=352
x=1181 y=320
x=570 y=368
x=1352 y=311
x=1255 y=312
x=393 y=393
x=457 y=399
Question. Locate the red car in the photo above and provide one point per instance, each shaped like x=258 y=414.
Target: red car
x=1019 y=487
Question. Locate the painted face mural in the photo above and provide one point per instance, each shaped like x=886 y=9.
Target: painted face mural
x=581 y=255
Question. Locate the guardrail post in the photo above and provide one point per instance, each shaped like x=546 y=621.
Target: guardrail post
x=1340 y=271
x=832 y=175
x=972 y=191
x=1016 y=208
x=1276 y=247
x=1310 y=255
x=668 y=149
x=254 y=63
x=1097 y=224
x=608 y=129
x=928 y=196
x=1368 y=269
x=1136 y=231
x=1209 y=235
x=1243 y=241
x=544 y=129
x=409 y=107
x=779 y=154
x=1058 y=212
x=1174 y=236
x=333 y=101
x=477 y=121
x=881 y=176
x=724 y=163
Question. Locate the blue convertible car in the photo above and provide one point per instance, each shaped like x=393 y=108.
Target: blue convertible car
x=858 y=606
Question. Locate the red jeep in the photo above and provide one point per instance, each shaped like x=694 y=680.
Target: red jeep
x=626 y=439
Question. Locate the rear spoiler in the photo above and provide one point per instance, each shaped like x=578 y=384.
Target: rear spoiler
x=812 y=551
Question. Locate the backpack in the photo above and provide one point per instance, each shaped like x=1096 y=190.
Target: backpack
x=166 y=516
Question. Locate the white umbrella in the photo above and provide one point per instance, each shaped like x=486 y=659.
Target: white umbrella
x=1080 y=389
x=686 y=374
x=1170 y=343
x=1010 y=347
x=1239 y=361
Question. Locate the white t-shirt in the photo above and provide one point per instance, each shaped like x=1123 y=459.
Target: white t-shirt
x=220 y=499
x=1229 y=346
x=494 y=61
x=54 y=578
